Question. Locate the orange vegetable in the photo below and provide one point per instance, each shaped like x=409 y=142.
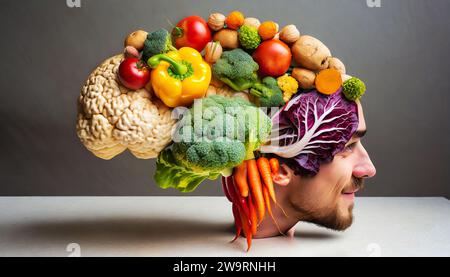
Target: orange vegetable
x=269 y=208
x=234 y=20
x=253 y=216
x=274 y=165
x=240 y=178
x=267 y=30
x=266 y=175
x=256 y=188
x=237 y=222
x=247 y=231
x=267 y=200
x=328 y=81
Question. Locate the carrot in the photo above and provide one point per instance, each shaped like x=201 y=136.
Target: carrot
x=240 y=177
x=274 y=165
x=328 y=81
x=225 y=189
x=269 y=208
x=256 y=188
x=234 y=20
x=235 y=198
x=239 y=200
x=267 y=30
x=264 y=170
x=237 y=222
x=247 y=231
x=253 y=216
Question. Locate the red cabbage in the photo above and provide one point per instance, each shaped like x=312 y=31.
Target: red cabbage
x=311 y=128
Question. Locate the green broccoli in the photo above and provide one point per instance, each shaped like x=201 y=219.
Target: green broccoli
x=157 y=42
x=268 y=93
x=353 y=89
x=237 y=69
x=249 y=38
x=215 y=135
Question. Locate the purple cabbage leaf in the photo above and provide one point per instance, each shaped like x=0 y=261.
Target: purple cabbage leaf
x=311 y=128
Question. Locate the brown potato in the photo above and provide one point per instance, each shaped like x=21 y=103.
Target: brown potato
x=311 y=53
x=136 y=39
x=228 y=38
x=304 y=77
x=336 y=64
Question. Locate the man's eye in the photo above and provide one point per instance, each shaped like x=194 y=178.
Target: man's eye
x=350 y=147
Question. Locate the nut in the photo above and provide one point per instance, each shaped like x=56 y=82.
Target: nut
x=253 y=22
x=289 y=34
x=216 y=21
x=213 y=51
x=130 y=51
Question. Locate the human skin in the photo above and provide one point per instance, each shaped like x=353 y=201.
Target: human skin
x=327 y=199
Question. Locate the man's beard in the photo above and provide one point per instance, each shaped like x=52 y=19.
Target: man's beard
x=331 y=219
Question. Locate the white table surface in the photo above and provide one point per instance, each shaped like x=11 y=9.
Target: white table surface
x=202 y=226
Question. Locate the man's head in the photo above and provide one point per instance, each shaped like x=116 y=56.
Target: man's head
x=327 y=198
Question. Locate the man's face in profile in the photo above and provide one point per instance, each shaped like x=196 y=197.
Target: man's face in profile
x=327 y=199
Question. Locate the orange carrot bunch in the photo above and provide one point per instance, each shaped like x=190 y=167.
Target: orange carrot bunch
x=251 y=191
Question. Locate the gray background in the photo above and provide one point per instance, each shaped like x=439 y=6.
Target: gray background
x=401 y=51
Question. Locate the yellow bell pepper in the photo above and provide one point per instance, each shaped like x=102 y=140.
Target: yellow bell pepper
x=179 y=77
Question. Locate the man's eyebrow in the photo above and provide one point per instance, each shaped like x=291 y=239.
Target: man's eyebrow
x=359 y=134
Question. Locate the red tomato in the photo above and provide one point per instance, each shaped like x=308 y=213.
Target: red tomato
x=273 y=57
x=133 y=73
x=191 y=31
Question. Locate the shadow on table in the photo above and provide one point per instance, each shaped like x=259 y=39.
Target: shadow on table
x=126 y=230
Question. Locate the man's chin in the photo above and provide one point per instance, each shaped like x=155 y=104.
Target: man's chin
x=336 y=220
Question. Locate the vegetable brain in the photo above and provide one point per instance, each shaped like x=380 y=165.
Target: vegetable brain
x=112 y=118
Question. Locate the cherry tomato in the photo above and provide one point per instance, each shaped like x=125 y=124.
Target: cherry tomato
x=133 y=73
x=192 y=31
x=273 y=57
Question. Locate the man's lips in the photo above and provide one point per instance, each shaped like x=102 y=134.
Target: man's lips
x=350 y=191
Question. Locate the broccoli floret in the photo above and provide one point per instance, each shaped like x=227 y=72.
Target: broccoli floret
x=210 y=155
x=268 y=93
x=249 y=38
x=214 y=135
x=157 y=42
x=237 y=69
x=353 y=89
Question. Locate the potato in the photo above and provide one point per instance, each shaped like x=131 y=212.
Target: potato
x=136 y=39
x=228 y=38
x=336 y=64
x=304 y=77
x=311 y=53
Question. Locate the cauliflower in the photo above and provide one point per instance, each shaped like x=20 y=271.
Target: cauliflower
x=112 y=118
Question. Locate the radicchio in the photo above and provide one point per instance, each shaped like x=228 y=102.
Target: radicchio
x=312 y=128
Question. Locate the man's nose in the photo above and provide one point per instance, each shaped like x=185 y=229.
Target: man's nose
x=364 y=167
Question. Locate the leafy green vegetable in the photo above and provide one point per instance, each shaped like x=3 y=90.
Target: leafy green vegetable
x=170 y=174
x=211 y=138
x=248 y=37
x=237 y=69
x=268 y=93
x=157 y=42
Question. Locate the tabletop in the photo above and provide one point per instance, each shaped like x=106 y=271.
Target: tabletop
x=203 y=226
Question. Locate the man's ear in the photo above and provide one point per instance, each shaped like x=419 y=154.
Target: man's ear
x=284 y=176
